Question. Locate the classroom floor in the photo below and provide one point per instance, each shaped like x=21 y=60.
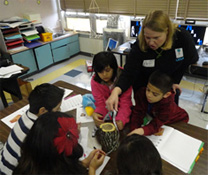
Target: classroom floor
x=74 y=71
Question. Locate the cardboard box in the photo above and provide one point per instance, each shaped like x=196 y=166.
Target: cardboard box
x=89 y=65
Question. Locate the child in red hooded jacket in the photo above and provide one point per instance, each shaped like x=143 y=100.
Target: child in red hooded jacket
x=156 y=100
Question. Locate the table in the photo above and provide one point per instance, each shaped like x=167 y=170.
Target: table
x=200 y=167
x=120 y=50
x=11 y=85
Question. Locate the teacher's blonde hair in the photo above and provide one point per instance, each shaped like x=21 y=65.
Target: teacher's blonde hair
x=157 y=21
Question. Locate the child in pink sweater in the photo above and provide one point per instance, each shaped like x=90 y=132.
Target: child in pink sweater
x=102 y=83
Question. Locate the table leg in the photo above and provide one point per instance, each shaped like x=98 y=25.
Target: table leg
x=121 y=61
x=204 y=103
x=3 y=99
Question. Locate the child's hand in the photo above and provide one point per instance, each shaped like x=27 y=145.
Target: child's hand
x=96 y=118
x=176 y=86
x=78 y=127
x=160 y=132
x=120 y=124
x=86 y=161
x=139 y=131
x=96 y=162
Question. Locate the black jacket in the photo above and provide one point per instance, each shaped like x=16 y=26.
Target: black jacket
x=136 y=73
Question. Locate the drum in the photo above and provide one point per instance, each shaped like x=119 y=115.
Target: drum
x=108 y=136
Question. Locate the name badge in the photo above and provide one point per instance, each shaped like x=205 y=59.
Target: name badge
x=149 y=63
x=179 y=52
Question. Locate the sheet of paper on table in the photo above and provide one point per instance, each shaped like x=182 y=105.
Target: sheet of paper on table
x=6 y=72
x=71 y=102
x=83 y=140
x=82 y=117
x=11 y=119
x=66 y=92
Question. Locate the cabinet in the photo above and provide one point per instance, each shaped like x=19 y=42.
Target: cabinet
x=74 y=48
x=65 y=48
x=43 y=56
x=27 y=59
x=40 y=57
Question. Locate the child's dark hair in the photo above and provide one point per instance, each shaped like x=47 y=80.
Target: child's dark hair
x=101 y=60
x=137 y=155
x=45 y=95
x=161 y=81
x=40 y=155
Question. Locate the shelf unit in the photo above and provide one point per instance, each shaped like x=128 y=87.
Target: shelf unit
x=11 y=38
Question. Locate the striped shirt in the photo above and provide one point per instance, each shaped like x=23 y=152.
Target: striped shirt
x=11 y=152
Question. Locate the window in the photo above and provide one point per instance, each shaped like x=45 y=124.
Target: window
x=78 y=24
x=100 y=24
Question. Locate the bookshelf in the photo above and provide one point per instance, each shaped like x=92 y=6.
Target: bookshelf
x=10 y=38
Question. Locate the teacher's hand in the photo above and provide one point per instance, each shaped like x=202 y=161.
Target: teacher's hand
x=112 y=101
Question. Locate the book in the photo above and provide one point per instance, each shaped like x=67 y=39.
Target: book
x=177 y=148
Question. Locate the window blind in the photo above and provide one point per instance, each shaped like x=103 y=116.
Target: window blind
x=73 y=5
x=197 y=9
x=186 y=9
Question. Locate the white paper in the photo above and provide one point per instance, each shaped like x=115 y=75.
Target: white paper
x=9 y=75
x=177 y=148
x=71 y=103
x=82 y=117
x=30 y=32
x=83 y=137
x=7 y=119
x=159 y=141
x=66 y=91
x=10 y=69
x=100 y=169
x=83 y=141
x=12 y=25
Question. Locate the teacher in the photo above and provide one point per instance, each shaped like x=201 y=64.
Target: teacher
x=161 y=45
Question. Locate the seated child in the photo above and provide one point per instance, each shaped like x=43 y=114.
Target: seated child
x=51 y=147
x=137 y=155
x=102 y=83
x=156 y=100
x=43 y=98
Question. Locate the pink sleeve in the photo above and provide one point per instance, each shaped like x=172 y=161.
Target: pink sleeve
x=99 y=92
x=125 y=104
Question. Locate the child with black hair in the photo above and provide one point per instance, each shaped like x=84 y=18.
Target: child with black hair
x=136 y=154
x=51 y=147
x=44 y=98
x=156 y=100
x=102 y=83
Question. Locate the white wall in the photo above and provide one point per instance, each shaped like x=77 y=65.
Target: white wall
x=47 y=10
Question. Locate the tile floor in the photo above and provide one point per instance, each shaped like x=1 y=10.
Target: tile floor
x=74 y=71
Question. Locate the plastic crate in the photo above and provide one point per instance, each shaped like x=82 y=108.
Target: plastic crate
x=45 y=37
